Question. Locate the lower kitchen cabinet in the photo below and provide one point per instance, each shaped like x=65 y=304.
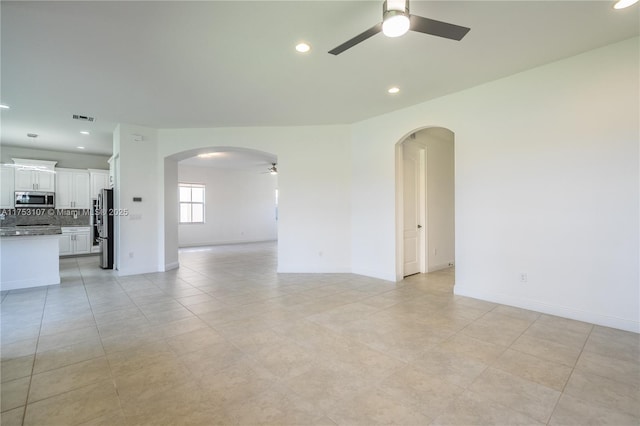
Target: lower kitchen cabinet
x=75 y=240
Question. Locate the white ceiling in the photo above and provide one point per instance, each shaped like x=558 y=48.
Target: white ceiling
x=212 y=63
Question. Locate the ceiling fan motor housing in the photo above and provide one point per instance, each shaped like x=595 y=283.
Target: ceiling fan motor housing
x=395 y=7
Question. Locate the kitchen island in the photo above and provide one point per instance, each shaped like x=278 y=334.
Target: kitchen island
x=29 y=256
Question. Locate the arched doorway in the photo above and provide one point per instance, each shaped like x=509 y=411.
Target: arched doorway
x=230 y=177
x=425 y=202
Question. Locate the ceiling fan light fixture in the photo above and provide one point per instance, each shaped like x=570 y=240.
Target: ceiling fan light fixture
x=395 y=24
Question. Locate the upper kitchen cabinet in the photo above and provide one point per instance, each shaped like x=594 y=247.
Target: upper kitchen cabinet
x=7 y=186
x=99 y=181
x=72 y=189
x=34 y=175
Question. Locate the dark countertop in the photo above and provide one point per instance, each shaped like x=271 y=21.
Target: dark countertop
x=23 y=231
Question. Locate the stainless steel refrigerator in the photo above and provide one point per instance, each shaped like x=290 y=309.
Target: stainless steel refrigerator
x=104 y=219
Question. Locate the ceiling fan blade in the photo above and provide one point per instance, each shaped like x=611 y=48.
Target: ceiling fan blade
x=437 y=28
x=357 y=39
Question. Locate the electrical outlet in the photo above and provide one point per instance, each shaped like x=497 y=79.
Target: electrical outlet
x=523 y=277
x=130 y=255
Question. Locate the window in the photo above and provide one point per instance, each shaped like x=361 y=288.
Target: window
x=191 y=202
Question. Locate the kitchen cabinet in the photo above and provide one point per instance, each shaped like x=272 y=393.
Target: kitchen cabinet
x=75 y=240
x=72 y=189
x=34 y=175
x=7 y=187
x=65 y=244
x=99 y=181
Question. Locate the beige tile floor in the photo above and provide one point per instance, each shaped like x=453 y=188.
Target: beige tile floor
x=227 y=340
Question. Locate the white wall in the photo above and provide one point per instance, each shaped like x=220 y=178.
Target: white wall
x=547 y=184
x=239 y=206
x=168 y=259
x=141 y=229
x=373 y=204
x=314 y=210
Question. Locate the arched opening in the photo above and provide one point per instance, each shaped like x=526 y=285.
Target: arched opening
x=425 y=201
x=218 y=195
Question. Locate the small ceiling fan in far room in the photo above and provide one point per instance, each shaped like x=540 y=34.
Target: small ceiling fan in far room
x=396 y=21
x=273 y=170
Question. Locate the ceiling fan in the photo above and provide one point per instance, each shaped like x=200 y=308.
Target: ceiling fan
x=396 y=21
x=272 y=170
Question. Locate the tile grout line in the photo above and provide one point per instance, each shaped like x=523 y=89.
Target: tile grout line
x=573 y=369
x=509 y=347
x=35 y=354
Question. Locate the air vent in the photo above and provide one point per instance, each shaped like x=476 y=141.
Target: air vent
x=83 y=118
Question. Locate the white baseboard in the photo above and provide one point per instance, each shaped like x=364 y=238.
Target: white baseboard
x=171 y=265
x=312 y=269
x=224 y=242
x=440 y=267
x=137 y=271
x=376 y=274
x=560 y=311
x=29 y=283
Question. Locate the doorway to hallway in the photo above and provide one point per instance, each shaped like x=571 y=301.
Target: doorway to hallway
x=425 y=202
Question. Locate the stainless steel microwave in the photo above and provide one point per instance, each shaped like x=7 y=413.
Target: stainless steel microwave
x=35 y=199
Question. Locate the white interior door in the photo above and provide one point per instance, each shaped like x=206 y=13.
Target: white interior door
x=413 y=177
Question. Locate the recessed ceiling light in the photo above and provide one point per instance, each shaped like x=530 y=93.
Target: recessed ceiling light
x=393 y=90
x=84 y=132
x=621 y=4
x=209 y=154
x=32 y=135
x=303 y=47
x=80 y=147
x=3 y=106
